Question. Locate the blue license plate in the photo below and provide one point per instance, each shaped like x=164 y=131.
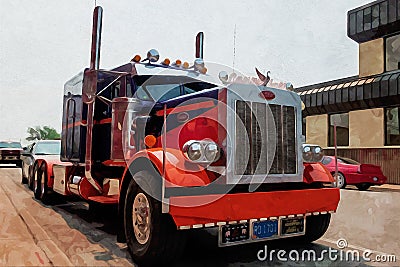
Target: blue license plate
x=265 y=229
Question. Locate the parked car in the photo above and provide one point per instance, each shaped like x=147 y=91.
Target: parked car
x=351 y=172
x=10 y=152
x=37 y=162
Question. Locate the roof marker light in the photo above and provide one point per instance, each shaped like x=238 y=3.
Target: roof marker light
x=136 y=58
x=178 y=62
x=185 y=65
x=166 y=62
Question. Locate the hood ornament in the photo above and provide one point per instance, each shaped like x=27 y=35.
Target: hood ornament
x=263 y=78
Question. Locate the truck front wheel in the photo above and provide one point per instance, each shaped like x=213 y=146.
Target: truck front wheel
x=316 y=226
x=151 y=236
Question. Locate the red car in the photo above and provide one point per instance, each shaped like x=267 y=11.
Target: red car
x=351 y=172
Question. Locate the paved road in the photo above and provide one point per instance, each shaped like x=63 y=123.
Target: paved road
x=68 y=234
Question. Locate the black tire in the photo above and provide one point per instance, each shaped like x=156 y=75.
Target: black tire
x=163 y=243
x=31 y=176
x=316 y=226
x=363 y=186
x=342 y=180
x=24 y=180
x=40 y=184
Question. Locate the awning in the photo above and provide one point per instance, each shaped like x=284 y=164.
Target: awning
x=352 y=93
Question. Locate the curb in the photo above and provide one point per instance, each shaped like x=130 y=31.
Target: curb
x=52 y=251
x=55 y=255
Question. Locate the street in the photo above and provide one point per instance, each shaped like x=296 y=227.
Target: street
x=69 y=234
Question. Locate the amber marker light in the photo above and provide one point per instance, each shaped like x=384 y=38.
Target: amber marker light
x=185 y=65
x=150 y=140
x=178 y=62
x=166 y=61
x=203 y=70
x=136 y=58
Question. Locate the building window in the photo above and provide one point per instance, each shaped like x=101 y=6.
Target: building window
x=367 y=18
x=352 y=23
x=360 y=23
x=392 y=10
x=393 y=53
x=375 y=16
x=342 y=129
x=383 y=10
x=392 y=120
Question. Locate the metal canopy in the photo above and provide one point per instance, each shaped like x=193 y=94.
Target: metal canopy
x=351 y=93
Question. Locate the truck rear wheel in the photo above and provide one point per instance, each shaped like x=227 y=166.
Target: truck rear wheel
x=151 y=236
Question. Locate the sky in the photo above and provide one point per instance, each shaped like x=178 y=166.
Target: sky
x=43 y=43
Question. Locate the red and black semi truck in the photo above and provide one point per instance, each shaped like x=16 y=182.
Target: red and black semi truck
x=178 y=149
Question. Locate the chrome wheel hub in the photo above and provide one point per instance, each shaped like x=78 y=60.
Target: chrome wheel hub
x=141 y=218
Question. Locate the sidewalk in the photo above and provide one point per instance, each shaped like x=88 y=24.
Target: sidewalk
x=17 y=245
x=22 y=241
x=386 y=188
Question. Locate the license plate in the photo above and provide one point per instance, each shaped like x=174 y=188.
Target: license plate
x=234 y=232
x=292 y=226
x=265 y=229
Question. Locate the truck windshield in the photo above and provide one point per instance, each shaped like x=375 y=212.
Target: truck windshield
x=10 y=145
x=161 y=88
x=48 y=148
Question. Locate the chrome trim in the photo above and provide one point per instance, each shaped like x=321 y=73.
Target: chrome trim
x=250 y=93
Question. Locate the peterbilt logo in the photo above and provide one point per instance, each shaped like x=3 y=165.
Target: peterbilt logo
x=182 y=117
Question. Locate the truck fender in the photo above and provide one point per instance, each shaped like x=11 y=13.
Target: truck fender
x=178 y=172
x=316 y=172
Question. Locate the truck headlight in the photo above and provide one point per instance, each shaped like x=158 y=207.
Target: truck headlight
x=201 y=151
x=318 y=153
x=194 y=151
x=307 y=154
x=312 y=153
x=211 y=152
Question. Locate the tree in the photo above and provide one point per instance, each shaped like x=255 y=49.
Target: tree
x=42 y=133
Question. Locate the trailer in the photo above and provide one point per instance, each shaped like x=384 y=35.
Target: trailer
x=177 y=149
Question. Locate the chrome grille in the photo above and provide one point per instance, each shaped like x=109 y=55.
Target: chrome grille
x=253 y=149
